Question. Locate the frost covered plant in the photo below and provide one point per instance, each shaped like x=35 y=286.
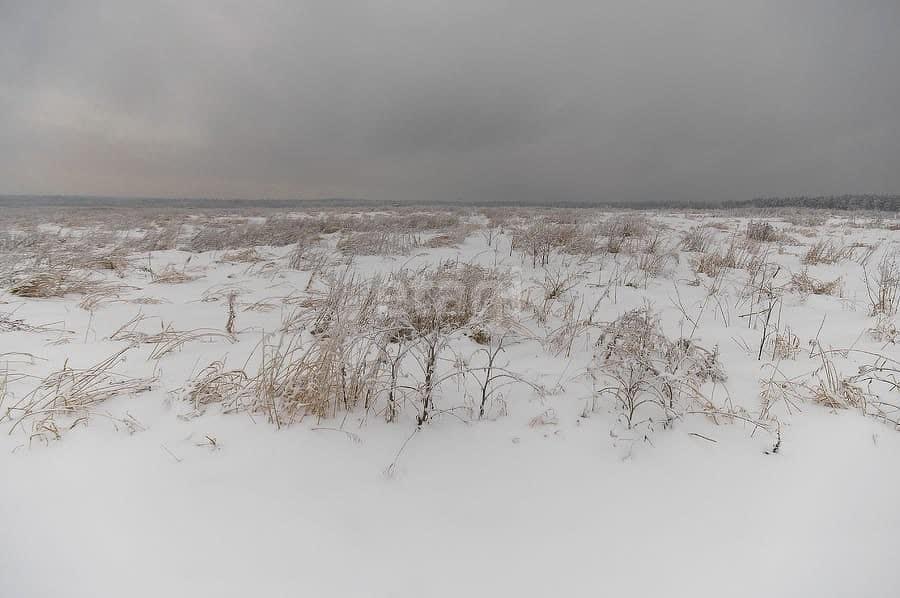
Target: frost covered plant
x=215 y=384
x=171 y=275
x=641 y=369
x=491 y=375
x=428 y=308
x=74 y=394
x=762 y=231
x=826 y=252
x=883 y=287
x=377 y=243
x=654 y=256
x=884 y=330
x=626 y=226
x=805 y=284
x=540 y=238
x=53 y=282
x=739 y=253
x=698 y=239
x=295 y=379
x=452 y=296
x=785 y=345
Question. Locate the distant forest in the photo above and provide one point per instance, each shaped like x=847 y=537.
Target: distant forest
x=881 y=203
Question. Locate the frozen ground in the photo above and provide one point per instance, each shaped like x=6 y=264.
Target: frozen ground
x=780 y=480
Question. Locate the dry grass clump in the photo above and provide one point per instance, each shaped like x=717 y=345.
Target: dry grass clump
x=827 y=252
x=111 y=261
x=167 y=340
x=806 y=219
x=73 y=393
x=111 y=293
x=378 y=343
x=216 y=385
x=697 y=239
x=9 y=323
x=867 y=390
x=762 y=232
x=296 y=379
x=805 y=284
x=451 y=237
x=639 y=367
x=242 y=256
x=376 y=243
x=172 y=275
x=55 y=282
x=336 y=372
x=314 y=260
x=785 y=344
x=626 y=226
x=276 y=231
x=370 y=343
x=655 y=255
x=835 y=391
x=451 y=296
x=159 y=239
x=540 y=238
x=738 y=254
x=411 y=221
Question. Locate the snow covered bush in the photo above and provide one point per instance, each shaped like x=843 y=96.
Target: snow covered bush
x=649 y=376
x=884 y=286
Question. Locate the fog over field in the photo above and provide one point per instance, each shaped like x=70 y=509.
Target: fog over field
x=441 y=299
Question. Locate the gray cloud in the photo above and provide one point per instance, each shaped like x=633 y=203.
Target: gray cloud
x=425 y=99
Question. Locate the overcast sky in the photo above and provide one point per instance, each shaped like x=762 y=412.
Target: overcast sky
x=421 y=99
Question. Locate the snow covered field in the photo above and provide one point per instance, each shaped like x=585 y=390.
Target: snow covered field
x=494 y=402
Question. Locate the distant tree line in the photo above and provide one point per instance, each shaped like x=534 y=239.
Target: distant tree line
x=881 y=203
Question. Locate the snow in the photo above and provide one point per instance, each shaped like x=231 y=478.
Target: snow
x=226 y=505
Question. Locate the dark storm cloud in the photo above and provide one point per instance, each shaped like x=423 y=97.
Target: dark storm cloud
x=438 y=100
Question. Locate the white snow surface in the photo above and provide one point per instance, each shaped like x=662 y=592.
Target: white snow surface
x=502 y=506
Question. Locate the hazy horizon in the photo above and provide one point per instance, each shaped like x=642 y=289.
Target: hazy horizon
x=432 y=101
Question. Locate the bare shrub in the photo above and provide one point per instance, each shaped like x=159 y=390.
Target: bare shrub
x=638 y=366
x=883 y=287
x=540 y=238
x=492 y=376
